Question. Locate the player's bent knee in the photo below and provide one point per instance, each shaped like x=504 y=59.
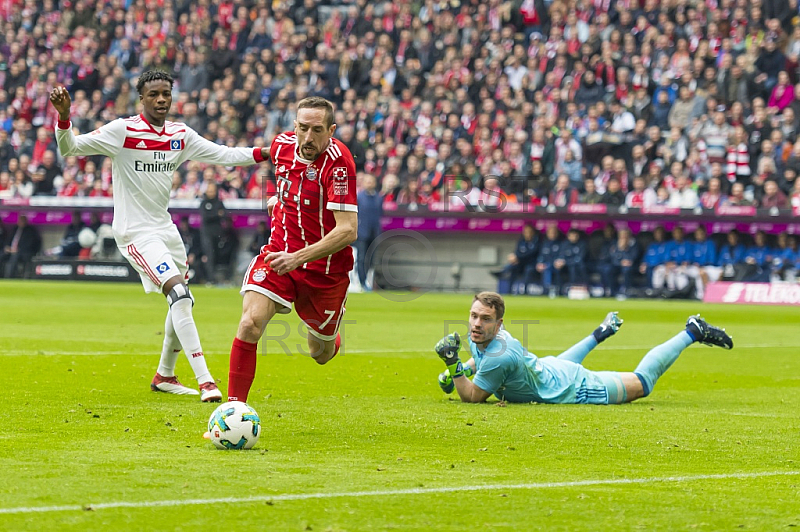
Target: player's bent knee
x=321 y=351
x=646 y=386
x=179 y=292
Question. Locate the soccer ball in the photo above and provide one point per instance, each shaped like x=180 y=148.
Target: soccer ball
x=87 y=238
x=234 y=425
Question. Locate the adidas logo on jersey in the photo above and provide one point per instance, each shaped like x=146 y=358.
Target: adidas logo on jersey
x=142 y=144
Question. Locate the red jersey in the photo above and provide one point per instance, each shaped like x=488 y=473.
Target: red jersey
x=309 y=192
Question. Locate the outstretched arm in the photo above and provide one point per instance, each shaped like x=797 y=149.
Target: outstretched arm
x=205 y=151
x=107 y=140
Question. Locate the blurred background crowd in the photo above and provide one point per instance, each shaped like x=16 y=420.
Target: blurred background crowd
x=683 y=103
x=680 y=102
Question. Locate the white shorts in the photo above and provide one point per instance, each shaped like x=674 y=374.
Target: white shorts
x=158 y=258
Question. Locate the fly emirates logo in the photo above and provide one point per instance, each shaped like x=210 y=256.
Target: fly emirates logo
x=159 y=164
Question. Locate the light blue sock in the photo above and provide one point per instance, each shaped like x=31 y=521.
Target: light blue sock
x=578 y=352
x=660 y=358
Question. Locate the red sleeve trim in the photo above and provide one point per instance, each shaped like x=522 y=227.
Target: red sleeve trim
x=258 y=156
x=64 y=124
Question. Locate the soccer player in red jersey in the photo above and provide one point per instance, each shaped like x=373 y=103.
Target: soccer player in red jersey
x=307 y=260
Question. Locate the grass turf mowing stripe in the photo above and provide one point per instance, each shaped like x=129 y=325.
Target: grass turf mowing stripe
x=384 y=493
x=643 y=348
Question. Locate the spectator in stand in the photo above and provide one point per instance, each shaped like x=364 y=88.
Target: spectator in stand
x=784 y=258
x=673 y=272
x=23 y=243
x=731 y=256
x=44 y=182
x=676 y=147
x=520 y=269
x=738 y=158
x=589 y=92
x=787 y=183
x=45 y=141
x=563 y=194
x=622 y=121
x=614 y=196
x=770 y=63
x=564 y=143
x=713 y=196
x=661 y=110
x=572 y=257
x=590 y=195
x=683 y=195
x=543 y=150
x=622 y=259
x=715 y=134
x=757 y=260
x=703 y=267
x=545 y=261
x=773 y=196
x=654 y=256
x=681 y=111
x=237 y=78
x=737 y=196
x=493 y=198
x=22 y=187
x=410 y=196
x=640 y=196
x=572 y=168
x=620 y=171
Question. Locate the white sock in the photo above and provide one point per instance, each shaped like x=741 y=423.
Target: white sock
x=170 y=349
x=186 y=330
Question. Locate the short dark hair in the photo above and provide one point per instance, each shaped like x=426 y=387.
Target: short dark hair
x=317 y=102
x=492 y=300
x=153 y=75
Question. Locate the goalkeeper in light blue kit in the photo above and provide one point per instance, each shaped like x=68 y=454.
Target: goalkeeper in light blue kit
x=504 y=368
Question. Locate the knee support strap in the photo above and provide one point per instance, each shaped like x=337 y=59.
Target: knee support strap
x=178 y=292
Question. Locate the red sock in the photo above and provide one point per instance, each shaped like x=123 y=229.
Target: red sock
x=242 y=369
x=337 y=344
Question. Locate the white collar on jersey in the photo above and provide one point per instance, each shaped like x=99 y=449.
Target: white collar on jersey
x=297 y=153
x=297 y=157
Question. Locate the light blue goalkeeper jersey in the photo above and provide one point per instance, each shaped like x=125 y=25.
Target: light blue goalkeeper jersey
x=511 y=373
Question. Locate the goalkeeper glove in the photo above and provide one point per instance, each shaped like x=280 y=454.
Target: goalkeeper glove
x=446 y=381
x=447 y=348
x=609 y=327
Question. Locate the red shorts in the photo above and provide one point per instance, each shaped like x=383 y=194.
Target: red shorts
x=318 y=298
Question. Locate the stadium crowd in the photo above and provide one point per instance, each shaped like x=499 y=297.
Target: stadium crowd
x=673 y=102
x=683 y=103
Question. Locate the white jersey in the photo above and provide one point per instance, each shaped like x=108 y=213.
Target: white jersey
x=144 y=160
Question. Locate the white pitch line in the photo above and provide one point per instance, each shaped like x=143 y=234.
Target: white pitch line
x=539 y=349
x=385 y=493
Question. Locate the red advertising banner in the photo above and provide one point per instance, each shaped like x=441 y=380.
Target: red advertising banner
x=753 y=293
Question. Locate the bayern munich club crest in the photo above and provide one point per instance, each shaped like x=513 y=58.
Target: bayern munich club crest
x=259 y=275
x=311 y=173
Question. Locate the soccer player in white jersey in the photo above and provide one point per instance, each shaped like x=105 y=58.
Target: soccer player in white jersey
x=504 y=368
x=145 y=151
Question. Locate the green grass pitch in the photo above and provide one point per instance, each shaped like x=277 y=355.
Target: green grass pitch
x=369 y=442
